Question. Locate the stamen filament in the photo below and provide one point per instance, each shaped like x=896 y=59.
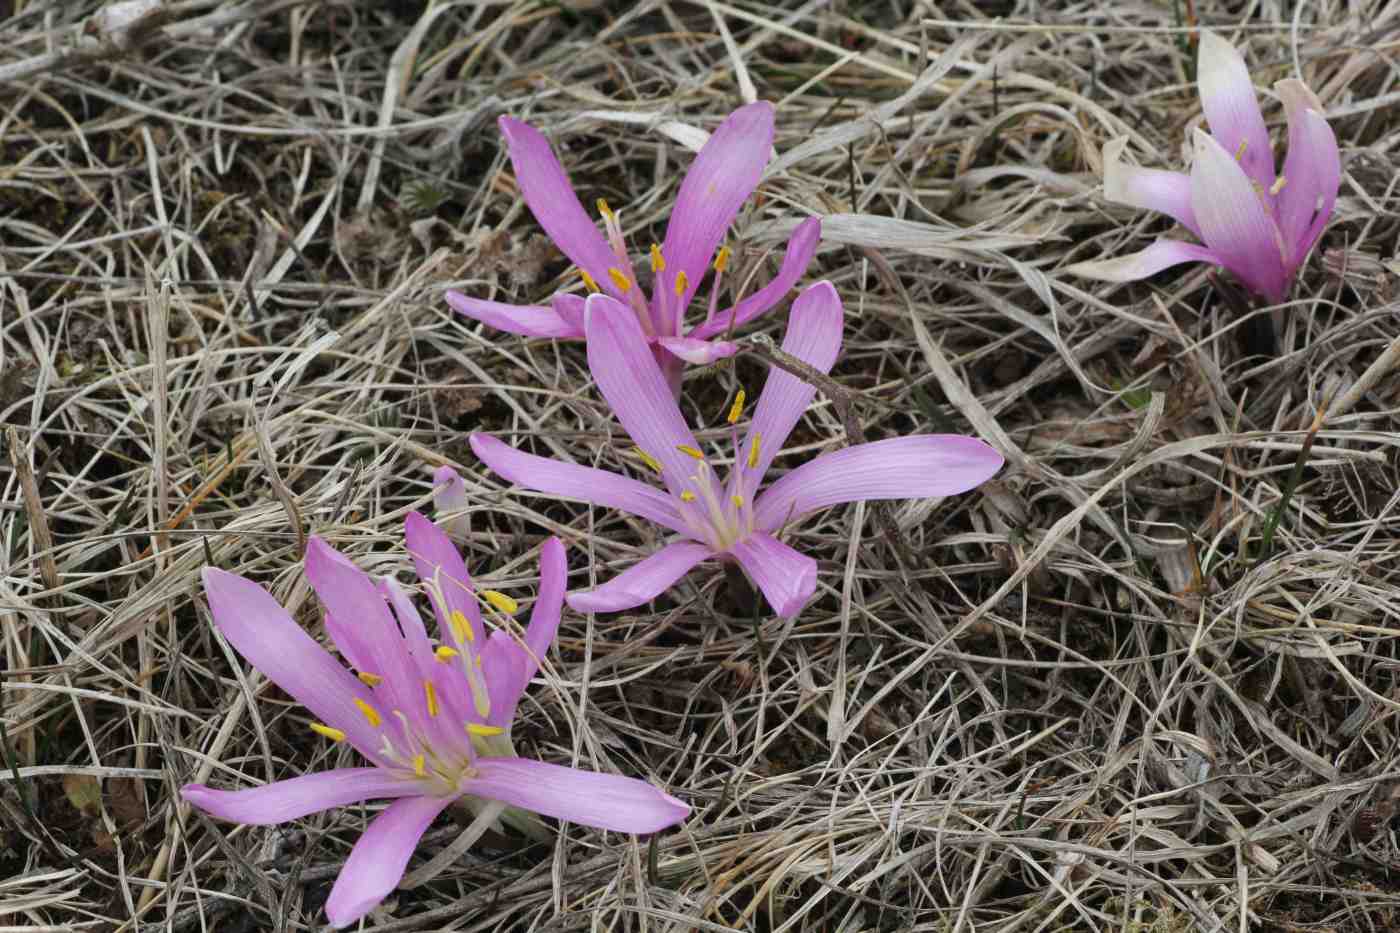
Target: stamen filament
x=330 y=732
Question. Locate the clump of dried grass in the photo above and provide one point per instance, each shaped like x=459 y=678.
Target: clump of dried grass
x=1089 y=697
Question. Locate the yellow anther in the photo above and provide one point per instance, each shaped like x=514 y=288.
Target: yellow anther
x=369 y=680
x=620 y=279
x=445 y=653
x=369 y=712
x=1239 y=153
x=420 y=765
x=477 y=662
x=737 y=408
x=753 y=450
x=430 y=692
x=648 y=459
x=1277 y=186
x=722 y=260
x=335 y=735
x=690 y=451
x=658 y=261
x=476 y=728
x=461 y=627
x=738 y=501
x=687 y=495
x=588 y=281
x=604 y=209
x=682 y=283
x=500 y=601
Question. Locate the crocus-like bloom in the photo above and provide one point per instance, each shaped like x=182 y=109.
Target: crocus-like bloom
x=1257 y=224
x=724 y=174
x=724 y=519
x=433 y=720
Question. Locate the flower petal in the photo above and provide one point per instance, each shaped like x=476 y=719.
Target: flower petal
x=558 y=478
x=1236 y=223
x=626 y=372
x=266 y=636
x=699 y=352
x=603 y=801
x=1149 y=188
x=643 y=581
x=526 y=320
x=723 y=175
x=377 y=863
x=896 y=468
x=506 y=669
x=787 y=578
x=439 y=565
x=297 y=797
x=1312 y=172
x=1134 y=266
x=813 y=336
x=1232 y=108
x=361 y=624
x=549 y=604
x=450 y=501
x=800 y=250
x=570 y=309
x=553 y=202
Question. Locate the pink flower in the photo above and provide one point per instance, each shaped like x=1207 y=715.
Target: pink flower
x=723 y=175
x=727 y=519
x=1258 y=225
x=432 y=720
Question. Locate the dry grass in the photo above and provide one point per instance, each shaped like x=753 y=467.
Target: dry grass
x=1103 y=696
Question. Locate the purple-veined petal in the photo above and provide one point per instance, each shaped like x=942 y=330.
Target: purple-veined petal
x=526 y=320
x=723 y=175
x=1236 y=223
x=813 y=336
x=787 y=578
x=896 y=468
x=377 y=862
x=439 y=565
x=1149 y=188
x=557 y=478
x=296 y=797
x=1134 y=266
x=570 y=310
x=626 y=372
x=266 y=636
x=1232 y=108
x=549 y=604
x=553 y=202
x=603 y=801
x=643 y=581
x=800 y=250
x=362 y=626
x=699 y=352
x=449 y=681
x=507 y=671
x=1312 y=171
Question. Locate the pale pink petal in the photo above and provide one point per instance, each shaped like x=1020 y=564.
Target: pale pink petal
x=800 y=250
x=1312 y=172
x=813 y=336
x=1149 y=188
x=553 y=202
x=603 y=801
x=300 y=796
x=896 y=468
x=266 y=636
x=1232 y=108
x=549 y=604
x=449 y=490
x=570 y=309
x=557 y=478
x=449 y=681
x=506 y=671
x=643 y=581
x=1134 y=266
x=787 y=578
x=439 y=565
x=526 y=320
x=723 y=175
x=1236 y=223
x=699 y=352
x=359 y=620
x=377 y=862
x=626 y=372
